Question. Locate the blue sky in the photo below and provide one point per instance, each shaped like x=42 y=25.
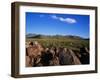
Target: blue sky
x=57 y=24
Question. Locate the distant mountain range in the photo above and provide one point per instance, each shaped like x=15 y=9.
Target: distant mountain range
x=53 y=36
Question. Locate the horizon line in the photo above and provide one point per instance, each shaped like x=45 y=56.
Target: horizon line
x=57 y=34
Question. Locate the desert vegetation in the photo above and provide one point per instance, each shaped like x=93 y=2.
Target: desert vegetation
x=57 y=50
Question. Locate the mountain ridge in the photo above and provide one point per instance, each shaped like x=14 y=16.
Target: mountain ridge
x=33 y=35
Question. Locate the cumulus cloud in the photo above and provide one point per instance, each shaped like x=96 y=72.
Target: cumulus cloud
x=67 y=20
x=70 y=20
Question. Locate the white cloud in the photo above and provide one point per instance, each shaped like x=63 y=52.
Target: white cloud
x=54 y=17
x=67 y=20
x=61 y=19
x=70 y=20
